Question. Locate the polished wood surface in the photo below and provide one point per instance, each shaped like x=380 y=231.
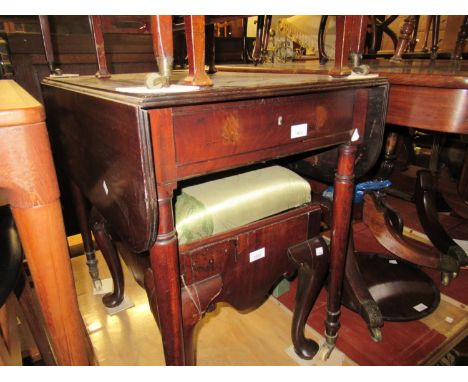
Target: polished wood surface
x=28 y=175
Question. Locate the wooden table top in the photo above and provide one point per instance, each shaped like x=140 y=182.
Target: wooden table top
x=430 y=95
x=227 y=86
x=440 y=73
x=17 y=106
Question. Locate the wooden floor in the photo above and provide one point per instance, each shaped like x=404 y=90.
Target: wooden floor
x=228 y=337
x=225 y=336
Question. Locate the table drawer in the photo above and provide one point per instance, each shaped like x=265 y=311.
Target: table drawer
x=208 y=132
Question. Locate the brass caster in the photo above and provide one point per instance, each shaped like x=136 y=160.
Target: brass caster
x=445 y=278
x=376 y=334
x=361 y=69
x=156 y=81
x=325 y=351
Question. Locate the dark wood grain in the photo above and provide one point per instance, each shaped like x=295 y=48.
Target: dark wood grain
x=116 y=158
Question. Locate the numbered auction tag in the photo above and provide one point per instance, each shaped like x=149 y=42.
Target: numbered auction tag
x=298 y=131
x=420 y=307
x=257 y=255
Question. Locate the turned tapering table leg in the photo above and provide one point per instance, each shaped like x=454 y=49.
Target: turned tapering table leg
x=342 y=207
x=27 y=173
x=166 y=278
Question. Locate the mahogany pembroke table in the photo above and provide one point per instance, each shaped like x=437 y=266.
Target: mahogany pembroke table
x=129 y=153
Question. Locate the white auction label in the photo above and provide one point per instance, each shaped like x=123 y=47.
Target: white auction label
x=299 y=130
x=393 y=261
x=420 y=307
x=257 y=255
x=319 y=251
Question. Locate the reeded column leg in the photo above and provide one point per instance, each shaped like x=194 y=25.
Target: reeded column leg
x=405 y=34
x=111 y=256
x=81 y=210
x=312 y=260
x=342 y=207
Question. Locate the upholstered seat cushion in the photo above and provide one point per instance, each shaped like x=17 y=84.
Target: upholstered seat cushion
x=224 y=204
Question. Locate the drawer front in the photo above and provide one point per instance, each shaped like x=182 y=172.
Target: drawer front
x=207 y=132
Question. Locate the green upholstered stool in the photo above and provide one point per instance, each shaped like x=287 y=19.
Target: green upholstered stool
x=225 y=204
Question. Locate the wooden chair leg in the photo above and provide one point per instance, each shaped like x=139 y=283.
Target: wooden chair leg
x=81 y=210
x=460 y=44
x=323 y=58
x=435 y=37
x=257 y=53
x=195 y=37
x=96 y=30
x=358 y=39
x=344 y=26
x=48 y=49
x=265 y=37
x=414 y=36
x=161 y=27
x=111 y=256
x=210 y=48
x=403 y=41
x=312 y=260
x=426 y=33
